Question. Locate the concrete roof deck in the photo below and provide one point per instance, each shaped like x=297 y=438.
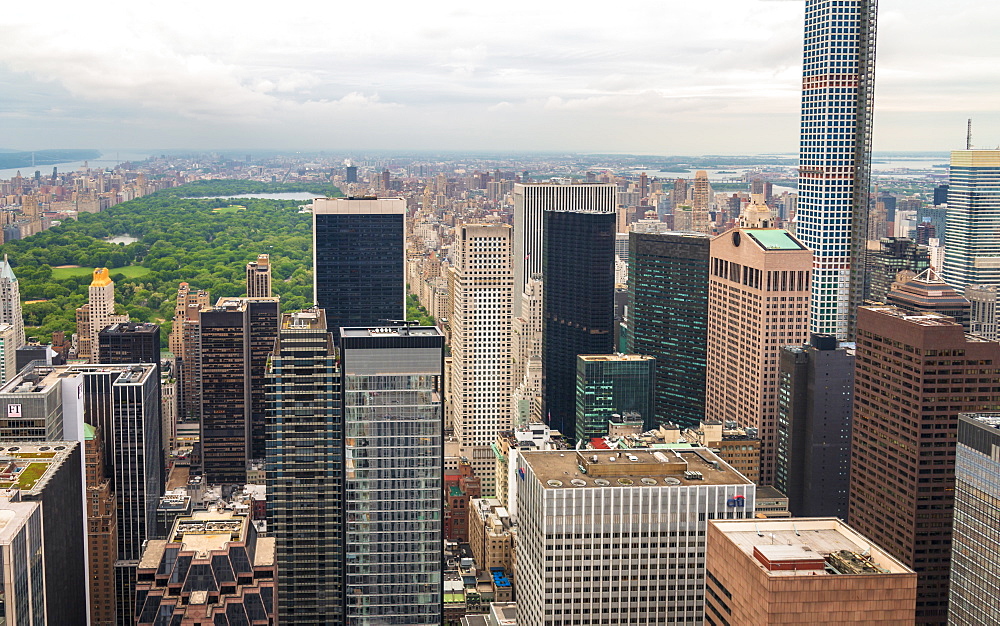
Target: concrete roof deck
x=804 y=538
x=652 y=468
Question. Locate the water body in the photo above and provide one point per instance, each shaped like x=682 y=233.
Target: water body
x=125 y=239
x=109 y=158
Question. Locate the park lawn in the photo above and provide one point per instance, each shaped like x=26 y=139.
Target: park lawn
x=130 y=271
x=232 y=208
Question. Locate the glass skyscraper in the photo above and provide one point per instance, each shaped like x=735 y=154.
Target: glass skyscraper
x=609 y=385
x=975 y=565
x=668 y=318
x=305 y=470
x=838 y=83
x=359 y=259
x=972 y=247
x=394 y=474
x=578 y=308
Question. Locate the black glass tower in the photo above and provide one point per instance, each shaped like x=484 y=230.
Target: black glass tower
x=668 y=318
x=578 y=307
x=359 y=251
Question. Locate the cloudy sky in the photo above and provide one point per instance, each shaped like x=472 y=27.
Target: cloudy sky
x=640 y=76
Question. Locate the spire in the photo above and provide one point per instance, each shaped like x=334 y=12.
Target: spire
x=757 y=214
x=6 y=272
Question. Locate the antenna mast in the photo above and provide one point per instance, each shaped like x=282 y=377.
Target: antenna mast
x=968 y=136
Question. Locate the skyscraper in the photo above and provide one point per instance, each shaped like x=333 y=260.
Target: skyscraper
x=975 y=553
x=813 y=457
x=102 y=530
x=758 y=302
x=653 y=505
x=305 y=470
x=914 y=374
x=701 y=204
x=236 y=338
x=578 y=304
x=838 y=81
x=480 y=393
x=259 y=277
x=131 y=342
x=185 y=346
x=668 y=317
x=894 y=255
x=531 y=202
x=611 y=386
x=10 y=303
x=42 y=539
x=970 y=257
x=394 y=474
x=97 y=314
x=359 y=260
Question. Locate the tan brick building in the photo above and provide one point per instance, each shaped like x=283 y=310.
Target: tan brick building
x=802 y=571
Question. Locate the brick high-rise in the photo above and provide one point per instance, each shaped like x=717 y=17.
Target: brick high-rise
x=758 y=302
x=914 y=374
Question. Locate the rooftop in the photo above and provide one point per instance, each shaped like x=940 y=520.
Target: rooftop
x=393 y=331
x=615 y=357
x=690 y=467
x=28 y=466
x=774 y=239
x=808 y=547
x=130 y=327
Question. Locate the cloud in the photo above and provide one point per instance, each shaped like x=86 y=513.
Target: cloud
x=643 y=75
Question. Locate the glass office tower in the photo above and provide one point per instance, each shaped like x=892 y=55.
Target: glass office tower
x=394 y=473
x=359 y=259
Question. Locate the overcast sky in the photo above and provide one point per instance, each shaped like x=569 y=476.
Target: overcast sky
x=647 y=77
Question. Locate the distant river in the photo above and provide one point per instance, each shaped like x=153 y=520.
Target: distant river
x=108 y=158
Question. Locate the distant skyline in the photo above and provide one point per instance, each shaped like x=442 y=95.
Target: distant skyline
x=641 y=77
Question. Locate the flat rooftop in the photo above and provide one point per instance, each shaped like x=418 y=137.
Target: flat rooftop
x=821 y=546
x=690 y=467
x=13 y=516
x=42 y=378
x=774 y=239
x=615 y=357
x=392 y=331
x=29 y=466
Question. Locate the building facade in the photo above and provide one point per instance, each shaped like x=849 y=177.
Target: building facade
x=236 y=337
x=758 y=302
x=650 y=506
x=578 y=304
x=394 y=474
x=802 y=571
x=815 y=391
x=975 y=567
x=129 y=342
x=305 y=470
x=914 y=374
x=668 y=318
x=359 y=260
x=531 y=202
x=613 y=386
x=102 y=531
x=838 y=82
x=259 y=277
x=481 y=347
x=984 y=316
x=894 y=255
x=10 y=303
x=973 y=209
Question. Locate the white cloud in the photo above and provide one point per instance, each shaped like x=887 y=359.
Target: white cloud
x=643 y=75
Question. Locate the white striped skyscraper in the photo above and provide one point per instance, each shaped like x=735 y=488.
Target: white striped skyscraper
x=531 y=200
x=838 y=83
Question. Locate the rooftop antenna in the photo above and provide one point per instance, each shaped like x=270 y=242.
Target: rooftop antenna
x=968 y=136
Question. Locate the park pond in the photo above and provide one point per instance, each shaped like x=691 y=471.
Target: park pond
x=125 y=239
